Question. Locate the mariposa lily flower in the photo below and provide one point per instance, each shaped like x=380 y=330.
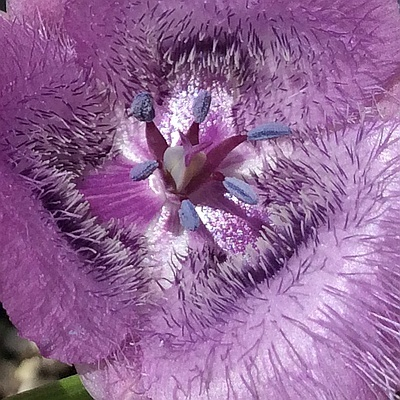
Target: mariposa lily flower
x=200 y=201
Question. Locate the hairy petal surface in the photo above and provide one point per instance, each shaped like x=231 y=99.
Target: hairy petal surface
x=311 y=310
x=36 y=11
x=50 y=107
x=312 y=61
x=326 y=325
x=49 y=296
x=65 y=265
x=112 y=195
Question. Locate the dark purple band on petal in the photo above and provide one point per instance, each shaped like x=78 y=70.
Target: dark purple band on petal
x=45 y=286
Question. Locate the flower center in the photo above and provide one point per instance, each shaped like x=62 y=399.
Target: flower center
x=187 y=167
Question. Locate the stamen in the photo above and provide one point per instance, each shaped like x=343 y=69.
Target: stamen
x=186 y=167
x=268 y=131
x=143 y=170
x=201 y=106
x=188 y=216
x=192 y=134
x=241 y=190
x=218 y=154
x=155 y=141
x=142 y=107
x=214 y=158
x=143 y=110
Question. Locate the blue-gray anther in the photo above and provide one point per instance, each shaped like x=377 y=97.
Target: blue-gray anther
x=143 y=170
x=268 y=131
x=241 y=190
x=201 y=106
x=188 y=216
x=142 y=107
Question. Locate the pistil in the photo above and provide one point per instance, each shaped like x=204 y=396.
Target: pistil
x=187 y=167
x=181 y=171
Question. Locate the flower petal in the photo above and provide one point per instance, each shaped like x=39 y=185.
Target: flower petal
x=45 y=11
x=82 y=276
x=311 y=62
x=325 y=323
x=112 y=194
x=49 y=296
x=49 y=105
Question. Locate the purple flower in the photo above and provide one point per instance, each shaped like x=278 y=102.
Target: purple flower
x=201 y=201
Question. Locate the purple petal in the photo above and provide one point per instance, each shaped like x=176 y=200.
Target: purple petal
x=45 y=11
x=311 y=62
x=316 y=314
x=50 y=294
x=74 y=278
x=312 y=308
x=49 y=105
x=112 y=194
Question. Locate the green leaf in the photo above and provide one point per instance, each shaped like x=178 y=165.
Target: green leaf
x=65 y=389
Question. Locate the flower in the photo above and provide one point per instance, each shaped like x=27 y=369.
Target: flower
x=169 y=256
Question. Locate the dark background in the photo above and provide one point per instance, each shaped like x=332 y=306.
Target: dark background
x=21 y=366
